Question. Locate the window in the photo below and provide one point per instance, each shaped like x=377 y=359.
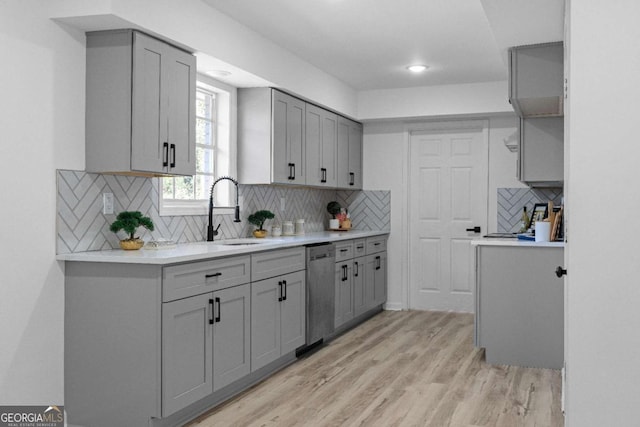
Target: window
x=215 y=155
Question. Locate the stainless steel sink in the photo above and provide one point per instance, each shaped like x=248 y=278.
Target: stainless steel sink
x=239 y=242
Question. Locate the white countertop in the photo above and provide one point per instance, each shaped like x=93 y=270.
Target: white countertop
x=196 y=251
x=515 y=242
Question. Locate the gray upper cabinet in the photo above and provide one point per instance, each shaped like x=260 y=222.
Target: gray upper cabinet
x=271 y=135
x=349 y=154
x=140 y=107
x=321 y=144
x=285 y=140
x=541 y=152
x=536 y=79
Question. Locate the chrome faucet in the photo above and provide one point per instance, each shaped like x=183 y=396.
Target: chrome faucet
x=210 y=230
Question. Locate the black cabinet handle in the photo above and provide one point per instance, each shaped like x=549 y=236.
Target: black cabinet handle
x=377 y=263
x=211 y=304
x=560 y=271
x=344 y=250
x=357 y=268
x=344 y=273
x=173 y=156
x=208 y=276
x=284 y=288
x=352 y=178
x=377 y=244
x=475 y=229
x=165 y=154
x=219 y=314
x=292 y=171
x=324 y=175
x=280 y=297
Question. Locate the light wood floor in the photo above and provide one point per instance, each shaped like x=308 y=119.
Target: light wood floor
x=399 y=369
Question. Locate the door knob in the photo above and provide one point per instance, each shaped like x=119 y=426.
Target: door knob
x=475 y=229
x=560 y=271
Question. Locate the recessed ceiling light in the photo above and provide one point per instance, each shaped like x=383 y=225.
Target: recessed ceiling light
x=218 y=73
x=417 y=68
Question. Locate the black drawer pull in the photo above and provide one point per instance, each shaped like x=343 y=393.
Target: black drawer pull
x=208 y=276
x=344 y=250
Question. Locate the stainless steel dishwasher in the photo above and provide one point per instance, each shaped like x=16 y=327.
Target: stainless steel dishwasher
x=320 y=295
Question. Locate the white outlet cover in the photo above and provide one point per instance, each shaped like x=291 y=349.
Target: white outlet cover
x=107 y=200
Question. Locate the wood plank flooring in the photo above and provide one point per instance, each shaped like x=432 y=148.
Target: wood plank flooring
x=411 y=368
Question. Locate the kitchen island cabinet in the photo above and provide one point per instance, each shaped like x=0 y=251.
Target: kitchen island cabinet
x=520 y=304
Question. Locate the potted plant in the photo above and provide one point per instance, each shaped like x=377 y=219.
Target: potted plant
x=334 y=209
x=258 y=220
x=129 y=223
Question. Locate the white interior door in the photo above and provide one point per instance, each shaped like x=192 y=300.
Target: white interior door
x=448 y=195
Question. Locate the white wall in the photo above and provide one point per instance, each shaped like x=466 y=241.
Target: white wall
x=602 y=348
x=433 y=101
x=42 y=122
x=386 y=148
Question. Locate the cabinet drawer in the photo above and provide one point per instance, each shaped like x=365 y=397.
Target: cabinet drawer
x=376 y=244
x=359 y=248
x=275 y=263
x=344 y=250
x=185 y=280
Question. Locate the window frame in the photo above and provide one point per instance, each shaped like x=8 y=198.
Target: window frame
x=226 y=110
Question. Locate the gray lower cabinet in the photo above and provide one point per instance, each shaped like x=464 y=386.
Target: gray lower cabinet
x=187 y=352
x=375 y=279
x=520 y=306
x=140 y=106
x=359 y=298
x=231 y=335
x=344 y=277
x=205 y=345
x=277 y=317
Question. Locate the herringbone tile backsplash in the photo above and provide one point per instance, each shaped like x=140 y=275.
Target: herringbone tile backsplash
x=81 y=225
x=511 y=201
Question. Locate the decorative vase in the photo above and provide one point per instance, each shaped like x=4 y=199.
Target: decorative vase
x=131 y=244
x=346 y=224
x=260 y=233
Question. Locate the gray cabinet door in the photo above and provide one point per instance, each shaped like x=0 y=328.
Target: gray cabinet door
x=344 y=275
x=288 y=134
x=380 y=278
x=375 y=279
x=186 y=352
x=265 y=322
x=321 y=144
x=541 y=151
x=149 y=105
x=231 y=335
x=181 y=124
x=292 y=312
x=349 y=157
x=359 y=297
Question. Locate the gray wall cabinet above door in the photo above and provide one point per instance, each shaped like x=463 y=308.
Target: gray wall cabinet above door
x=140 y=107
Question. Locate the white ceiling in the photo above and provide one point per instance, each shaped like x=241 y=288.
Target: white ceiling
x=369 y=43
